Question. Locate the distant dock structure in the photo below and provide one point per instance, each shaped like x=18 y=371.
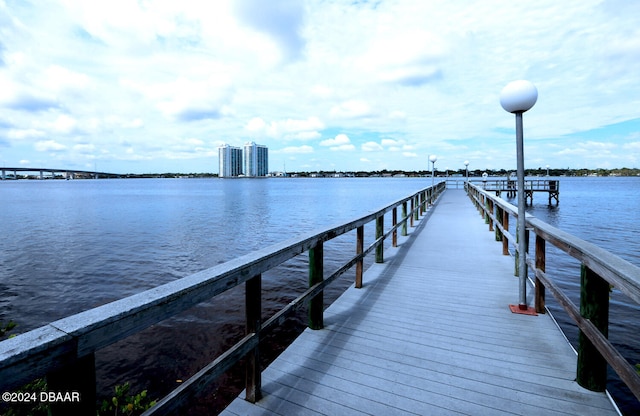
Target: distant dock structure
x=550 y=186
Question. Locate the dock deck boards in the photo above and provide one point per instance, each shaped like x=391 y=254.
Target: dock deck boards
x=430 y=333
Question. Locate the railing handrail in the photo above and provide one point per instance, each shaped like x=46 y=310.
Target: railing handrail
x=619 y=272
x=61 y=343
x=607 y=268
x=511 y=184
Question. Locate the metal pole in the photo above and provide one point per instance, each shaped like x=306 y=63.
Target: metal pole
x=433 y=168
x=522 y=265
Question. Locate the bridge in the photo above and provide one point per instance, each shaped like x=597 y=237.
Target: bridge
x=427 y=329
x=48 y=173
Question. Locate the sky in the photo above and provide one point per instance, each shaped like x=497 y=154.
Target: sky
x=157 y=85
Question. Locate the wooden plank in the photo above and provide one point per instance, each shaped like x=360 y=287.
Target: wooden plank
x=431 y=334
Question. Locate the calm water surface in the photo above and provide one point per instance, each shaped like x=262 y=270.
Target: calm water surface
x=71 y=245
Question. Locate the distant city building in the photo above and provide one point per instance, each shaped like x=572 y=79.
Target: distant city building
x=230 y=161
x=256 y=159
x=253 y=160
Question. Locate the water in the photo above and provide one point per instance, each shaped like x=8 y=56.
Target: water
x=71 y=245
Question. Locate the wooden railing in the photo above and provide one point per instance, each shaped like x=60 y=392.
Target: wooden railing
x=64 y=350
x=507 y=184
x=503 y=184
x=600 y=270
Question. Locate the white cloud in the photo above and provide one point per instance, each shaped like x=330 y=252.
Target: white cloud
x=192 y=99
x=340 y=139
x=25 y=134
x=371 y=147
x=84 y=148
x=256 y=124
x=390 y=142
x=288 y=129
x=408 y=57
x=398 y=115
x=342 y=148
x=305 y=149
x=352 y=109
x=339 y=143
x=64 y=124
x=281 y=20
x=425 y=76
x=48 y=145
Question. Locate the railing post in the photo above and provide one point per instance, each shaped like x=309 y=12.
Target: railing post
x=316 y=275
x=412 y=213
x=540 y=265
x=80 y=377
x=379 y=233
x=594 y=306
x=416 y=214
x=359 y=250
x=505 y=225
x=404 y=218
x=253 y=308
x=422 y=197
x=489 y=212
x=499 y=217
x=485 y=212
x=394 y=222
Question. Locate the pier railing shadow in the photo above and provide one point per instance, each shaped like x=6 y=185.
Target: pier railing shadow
x=64 y=351
x=600 y=270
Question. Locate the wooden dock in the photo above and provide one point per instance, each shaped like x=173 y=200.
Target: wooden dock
x=509 y=188
x=430 y=333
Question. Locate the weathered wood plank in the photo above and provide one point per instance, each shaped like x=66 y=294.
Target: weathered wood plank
x=430 y=332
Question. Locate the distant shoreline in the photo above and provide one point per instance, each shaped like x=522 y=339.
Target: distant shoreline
x=477 y=173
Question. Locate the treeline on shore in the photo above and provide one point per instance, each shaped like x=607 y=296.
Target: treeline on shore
x=438 y=172
x=476 y=172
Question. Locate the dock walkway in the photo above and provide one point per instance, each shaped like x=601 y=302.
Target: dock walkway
x=430 y=333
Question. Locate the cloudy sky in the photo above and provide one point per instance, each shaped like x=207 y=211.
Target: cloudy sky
x=157 y=85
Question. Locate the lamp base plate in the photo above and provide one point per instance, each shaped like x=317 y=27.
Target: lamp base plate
x=527 y=310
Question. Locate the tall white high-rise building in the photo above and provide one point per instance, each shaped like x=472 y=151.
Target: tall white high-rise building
x=230 y=161
x=256 y=159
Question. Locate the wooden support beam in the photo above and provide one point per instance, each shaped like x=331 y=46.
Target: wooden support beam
x=540 y=265
x=253 y=307
x=594 y=306
x=78 y=378
x=316 y=275
x=359 y=250
x=379 y=233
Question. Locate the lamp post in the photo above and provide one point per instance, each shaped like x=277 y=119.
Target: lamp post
x=466 y=170
x=433 y=159
x=547 y=170
x=518 y=97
